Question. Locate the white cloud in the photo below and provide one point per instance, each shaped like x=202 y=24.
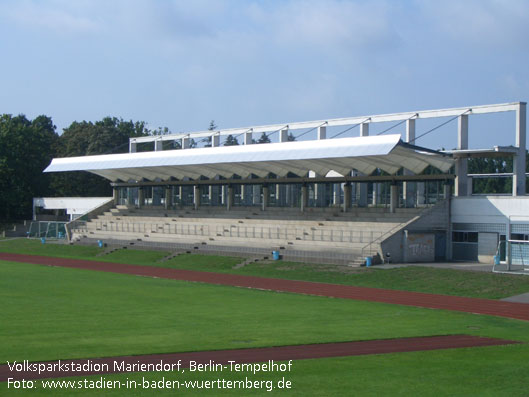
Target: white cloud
x=481 y=22
x=56 y=16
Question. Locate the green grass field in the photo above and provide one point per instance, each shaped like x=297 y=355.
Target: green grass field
x=421 y=279
x=51 y=312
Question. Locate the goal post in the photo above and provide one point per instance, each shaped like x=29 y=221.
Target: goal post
x=517 y=256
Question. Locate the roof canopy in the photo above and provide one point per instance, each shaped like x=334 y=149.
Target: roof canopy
x=364 y=154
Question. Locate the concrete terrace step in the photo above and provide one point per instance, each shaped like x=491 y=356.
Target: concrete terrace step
x=280 y=243
x=109 y=221
x=295 y=233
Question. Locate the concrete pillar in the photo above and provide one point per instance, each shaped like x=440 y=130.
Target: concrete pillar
x=196 y=197
x=519 y=178
x=347 y=196
x=283 y=135
x=248 y=138
x=362 y=187
x=394 y=198
x=133 y=146
x=375 y=194
x=215 y=140
x=447 y=191
x=421 y=193
x=266 y=195
x=461 y=181
x=364 y=129
x=256 y=194
x=158 y=145
x=336 y=194
x=409 y=188
x=322 y=132
x=304 y=197
x=168 y=203
x=229 y=204
x=141 y=197
x=115 y=196
x=222 y=194
x=362 y=193
x=185 y=142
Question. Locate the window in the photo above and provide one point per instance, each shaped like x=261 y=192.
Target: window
x=465 y=237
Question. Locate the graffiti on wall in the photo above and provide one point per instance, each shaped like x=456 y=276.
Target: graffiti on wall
x=420 y=247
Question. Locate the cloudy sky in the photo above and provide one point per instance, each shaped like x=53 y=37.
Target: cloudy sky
x=181 y=64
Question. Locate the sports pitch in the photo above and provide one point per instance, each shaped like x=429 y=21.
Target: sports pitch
x=52 y=313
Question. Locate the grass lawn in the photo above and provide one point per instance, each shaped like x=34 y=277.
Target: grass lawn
x=421 y=279
x=50 y=313
x=489 y=371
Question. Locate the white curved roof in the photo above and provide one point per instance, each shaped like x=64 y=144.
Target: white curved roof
x=364 y=154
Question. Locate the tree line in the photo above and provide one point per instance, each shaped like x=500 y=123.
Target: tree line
x=28 y=146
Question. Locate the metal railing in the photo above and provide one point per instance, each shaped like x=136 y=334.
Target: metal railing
x=320 y=234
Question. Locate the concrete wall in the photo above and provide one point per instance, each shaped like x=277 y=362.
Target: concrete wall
x=490 y=209
x=74 y=206
x=401 y=246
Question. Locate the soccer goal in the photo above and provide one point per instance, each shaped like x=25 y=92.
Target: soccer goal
x=516 y=257
x=53 y=230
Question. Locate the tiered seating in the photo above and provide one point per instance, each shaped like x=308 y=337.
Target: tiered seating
x=325 y=231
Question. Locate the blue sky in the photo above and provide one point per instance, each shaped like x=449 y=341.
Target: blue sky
x=182 y=63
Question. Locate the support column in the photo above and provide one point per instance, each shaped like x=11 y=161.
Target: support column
x=168 y=203
x=461 y=181
x=364 y=129
x=248 y=138
x=362 y=187
x=394 y=198
x=215 y=140
x=266 y=195
x=115 y=196
x=229 y=204
x=283 y=135
x=141 y=197
x=409 y=188
x=158 y=145
x=304 y=197
x=362 y=193
x=447 y=191
x=133 y=146
x=347 y=196
x=519 y=178
x=421 y=196
x=322 y=132
x=256 y=194
x=185 y=142
x=196 y=196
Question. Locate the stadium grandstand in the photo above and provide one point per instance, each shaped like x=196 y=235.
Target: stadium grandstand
x=330 y=199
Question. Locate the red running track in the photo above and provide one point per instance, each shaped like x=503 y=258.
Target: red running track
x=255 y=355
x=433 y=301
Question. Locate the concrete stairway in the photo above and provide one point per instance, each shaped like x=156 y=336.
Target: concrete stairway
x=320 y=235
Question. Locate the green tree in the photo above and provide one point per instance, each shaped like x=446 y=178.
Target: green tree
x=264 y=138
x=231 y=141
x=212 y=127
x=110 y=135
x=26 y=148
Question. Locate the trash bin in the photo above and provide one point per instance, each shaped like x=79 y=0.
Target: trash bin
x=275 y=255
x=496 y=259
x=43 y=240
x=100 y=243
x=368 y=261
